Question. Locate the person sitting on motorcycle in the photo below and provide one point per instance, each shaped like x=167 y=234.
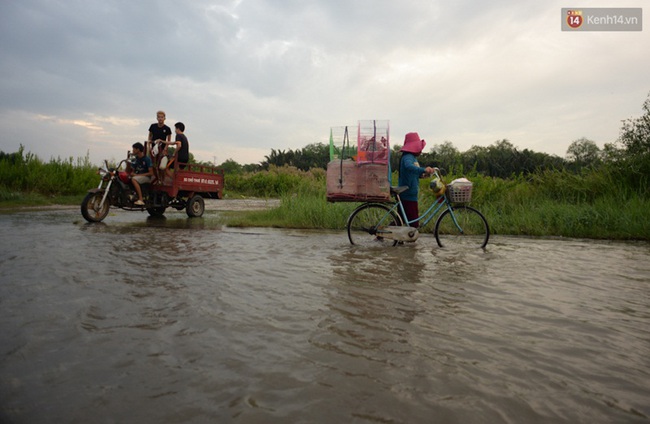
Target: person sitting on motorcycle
x=140 y=171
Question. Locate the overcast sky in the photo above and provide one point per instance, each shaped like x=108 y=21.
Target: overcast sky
x=248 y=76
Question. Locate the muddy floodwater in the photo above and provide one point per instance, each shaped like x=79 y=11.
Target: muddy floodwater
x=179 y=320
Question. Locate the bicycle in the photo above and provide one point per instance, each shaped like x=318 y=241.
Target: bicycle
x=457 y=225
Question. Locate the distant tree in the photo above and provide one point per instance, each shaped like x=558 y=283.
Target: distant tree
x=635 y=133
x=12 y=158
x=529 y=161
x=252 y=167
x=278 y=158
x=446 y=155
x=583 y=152
x=314 y=155
x=502 y=159
x=231 y=167
x=634 y=154
x=612 y=153
x=476 y=158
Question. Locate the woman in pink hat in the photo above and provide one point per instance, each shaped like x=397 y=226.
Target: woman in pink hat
x=410 y=173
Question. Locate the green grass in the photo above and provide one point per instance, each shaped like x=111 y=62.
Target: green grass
x=13 y=200
x=602 y=220
x=25 y=180
x=548 y=204
x=600 y=204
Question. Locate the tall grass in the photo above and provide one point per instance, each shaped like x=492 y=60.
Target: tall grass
x=593 y=204
x=24 y=174
x=302 y=199
x=596 y=203
x=276 y=182
x=551 y=203
x=299 y=211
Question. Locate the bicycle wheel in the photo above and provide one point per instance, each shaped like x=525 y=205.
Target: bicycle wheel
x=364 y=222
x=470 y=228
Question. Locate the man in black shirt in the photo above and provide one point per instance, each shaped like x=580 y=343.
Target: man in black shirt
x=159 y=132
x=182 y=145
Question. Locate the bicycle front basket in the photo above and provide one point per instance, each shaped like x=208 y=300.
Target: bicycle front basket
x=460 y=191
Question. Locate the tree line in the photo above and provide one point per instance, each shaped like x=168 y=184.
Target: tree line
x=501 y=159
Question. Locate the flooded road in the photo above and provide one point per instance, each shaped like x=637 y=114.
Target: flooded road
x=174 y=320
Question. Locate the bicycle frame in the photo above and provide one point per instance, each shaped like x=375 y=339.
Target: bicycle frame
x=428 y=215
x=431 y=212
x=371 y=222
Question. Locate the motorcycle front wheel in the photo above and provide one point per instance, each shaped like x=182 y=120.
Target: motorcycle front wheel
x=90 y=207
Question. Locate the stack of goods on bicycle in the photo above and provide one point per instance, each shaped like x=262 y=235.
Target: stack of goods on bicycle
x=362 y=173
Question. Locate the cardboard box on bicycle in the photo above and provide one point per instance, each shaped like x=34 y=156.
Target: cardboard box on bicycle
x=372 y=182
x=350 y=181
x=341 y=180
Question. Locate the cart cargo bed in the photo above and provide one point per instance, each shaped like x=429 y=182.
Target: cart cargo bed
x=199 y=179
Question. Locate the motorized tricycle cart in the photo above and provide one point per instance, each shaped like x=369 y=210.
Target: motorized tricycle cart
x=184 y=189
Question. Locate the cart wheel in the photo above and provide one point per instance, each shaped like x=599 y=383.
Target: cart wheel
x=195 y=207
x=157 y=211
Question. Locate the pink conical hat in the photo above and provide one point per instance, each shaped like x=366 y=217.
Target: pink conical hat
x=413 y=144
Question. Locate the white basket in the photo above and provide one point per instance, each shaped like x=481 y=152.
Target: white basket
x=460 y=192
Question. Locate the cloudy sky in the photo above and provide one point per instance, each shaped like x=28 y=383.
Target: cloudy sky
x=248 y=76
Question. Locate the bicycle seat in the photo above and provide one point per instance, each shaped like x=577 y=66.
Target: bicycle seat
x=395 y=190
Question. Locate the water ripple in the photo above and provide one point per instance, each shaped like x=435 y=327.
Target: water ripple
x=180 y=320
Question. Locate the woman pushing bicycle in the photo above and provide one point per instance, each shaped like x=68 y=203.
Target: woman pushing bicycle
x=410 y=173
x=457 y=224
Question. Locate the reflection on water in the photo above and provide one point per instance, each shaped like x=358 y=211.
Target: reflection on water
x=173 y=320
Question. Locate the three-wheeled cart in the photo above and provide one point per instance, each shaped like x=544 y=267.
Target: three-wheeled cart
x=186 y=189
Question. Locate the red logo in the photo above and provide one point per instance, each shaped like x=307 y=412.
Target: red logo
x=574 y=18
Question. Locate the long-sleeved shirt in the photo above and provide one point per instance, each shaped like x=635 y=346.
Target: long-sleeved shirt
x=409 y=175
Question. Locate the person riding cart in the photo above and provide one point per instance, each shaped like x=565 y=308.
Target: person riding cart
x=140 y=171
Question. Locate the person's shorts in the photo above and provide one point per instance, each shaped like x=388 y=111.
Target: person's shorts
x=142 y=179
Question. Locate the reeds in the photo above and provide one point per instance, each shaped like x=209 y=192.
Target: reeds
x=550 y=203
x=596 y=203
x=25 y=176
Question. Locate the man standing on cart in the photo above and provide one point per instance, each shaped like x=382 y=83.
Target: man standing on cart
x=159 y=134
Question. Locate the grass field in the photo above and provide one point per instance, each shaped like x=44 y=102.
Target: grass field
x=591 y=204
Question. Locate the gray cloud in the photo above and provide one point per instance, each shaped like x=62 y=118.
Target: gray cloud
x=250 y=75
